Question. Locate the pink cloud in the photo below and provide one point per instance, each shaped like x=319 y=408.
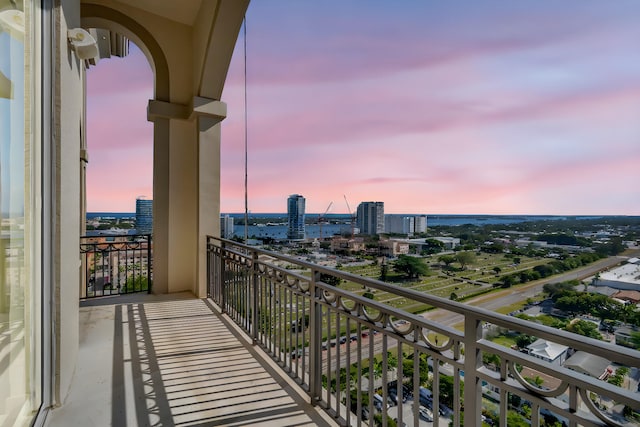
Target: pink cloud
x=527 y=118
x=119 y=137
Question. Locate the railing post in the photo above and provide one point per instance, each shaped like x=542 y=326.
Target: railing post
x=254 y=296
x=472 y=383
x=315 y=338
x=223 y=274
x=149 y=261
x=209 y=256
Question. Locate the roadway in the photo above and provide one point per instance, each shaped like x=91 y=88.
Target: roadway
x=507 y=297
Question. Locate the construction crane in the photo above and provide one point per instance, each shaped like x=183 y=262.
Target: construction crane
x=351 y=214
x=322 y=217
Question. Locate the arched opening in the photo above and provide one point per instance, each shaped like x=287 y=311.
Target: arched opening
x=116 y=247
x=189 y=57
x=95 y=16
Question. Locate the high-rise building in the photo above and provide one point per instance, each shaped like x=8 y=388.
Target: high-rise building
x=402 y=224
x=420 y=224
x=295 y=215
x=399 y=224
x=226 y=227
x=144 y=216
x=370 y=217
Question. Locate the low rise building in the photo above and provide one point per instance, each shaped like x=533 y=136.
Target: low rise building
x=344 y=244
x=549 y=351
x=625 y=277
x=393 y=248
x=589 y=364
x=632 y=297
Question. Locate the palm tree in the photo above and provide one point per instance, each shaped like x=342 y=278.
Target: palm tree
x=537 y=381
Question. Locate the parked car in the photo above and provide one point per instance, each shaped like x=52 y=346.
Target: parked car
x=407 y=392
x=393 y=395
x=426 y=397
x=297 y=353
x=425 y=413
x=377 y=401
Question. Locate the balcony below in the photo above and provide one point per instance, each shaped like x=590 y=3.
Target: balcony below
x=173 y=360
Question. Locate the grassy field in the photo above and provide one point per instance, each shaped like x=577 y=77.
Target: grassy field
x=475 y=278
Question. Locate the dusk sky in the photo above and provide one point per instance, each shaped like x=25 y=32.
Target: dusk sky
x=491 y=107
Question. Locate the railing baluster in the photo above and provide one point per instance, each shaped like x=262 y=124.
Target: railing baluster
x=149 y=265
x=472 y=362
x=337 y=367
x=315 y=341
x=224 y=277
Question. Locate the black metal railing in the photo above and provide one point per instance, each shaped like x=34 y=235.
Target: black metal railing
x=369 y=363
x=113 y=265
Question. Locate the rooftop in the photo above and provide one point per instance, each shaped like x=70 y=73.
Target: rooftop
x=627 y=273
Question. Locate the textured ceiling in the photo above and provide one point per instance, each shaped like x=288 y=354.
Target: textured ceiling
x=182 y=11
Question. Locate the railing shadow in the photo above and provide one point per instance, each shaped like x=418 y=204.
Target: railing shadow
x=189 y=368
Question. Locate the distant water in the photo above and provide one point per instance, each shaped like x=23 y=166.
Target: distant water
x=119 y=215
x=278 y=229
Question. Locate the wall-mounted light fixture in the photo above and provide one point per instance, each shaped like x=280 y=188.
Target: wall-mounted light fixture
x=82 y=43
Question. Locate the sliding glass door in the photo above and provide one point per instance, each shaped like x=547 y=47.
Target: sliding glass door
x=20 y=228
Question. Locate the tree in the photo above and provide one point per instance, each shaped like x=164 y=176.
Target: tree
x=423 y=368
x=384 y=271
x=635 y=339
x=465 y=258
x=492 y=360
x=585 y=328
x=135 y=283
x=617 y=378
x=330 y=280
x=446 y=390
x=556 y=290
x=524 y=340
x=447 y=260
x=537 y=381
x=433 y=246
x=411 y=267
x=514 y=419
x=497 y=270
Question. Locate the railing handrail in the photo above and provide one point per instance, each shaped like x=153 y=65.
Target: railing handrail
x=623 y=355
x=116 y=235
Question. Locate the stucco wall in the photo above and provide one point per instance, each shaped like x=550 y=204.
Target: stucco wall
x=68 y=112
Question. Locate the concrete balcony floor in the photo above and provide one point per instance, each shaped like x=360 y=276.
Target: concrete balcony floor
x=173 y=360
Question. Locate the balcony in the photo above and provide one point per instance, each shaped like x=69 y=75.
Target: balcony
x=275 y=343
x=174 y=360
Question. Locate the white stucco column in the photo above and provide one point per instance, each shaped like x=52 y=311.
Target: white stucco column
x=209 y=114
x=186 y=192
x=174 y=197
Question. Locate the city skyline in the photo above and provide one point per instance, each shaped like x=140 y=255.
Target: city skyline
x=416 y=105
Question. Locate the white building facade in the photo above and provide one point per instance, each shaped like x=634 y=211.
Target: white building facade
x=370 y=217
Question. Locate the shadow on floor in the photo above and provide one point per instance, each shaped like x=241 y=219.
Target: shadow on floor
x=183 y=366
